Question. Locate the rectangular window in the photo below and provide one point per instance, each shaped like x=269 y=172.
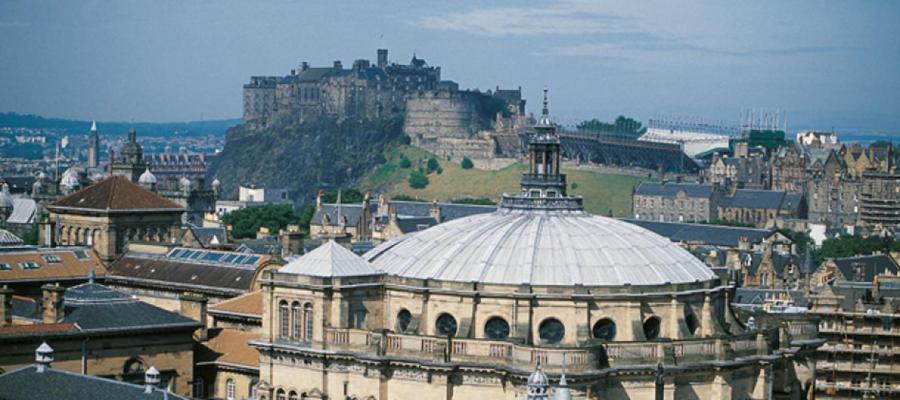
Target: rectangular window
x=29 y=265
x=81 y=255
x=5 y=267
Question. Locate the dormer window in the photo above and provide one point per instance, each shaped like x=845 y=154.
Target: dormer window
x=29 y=265
x=5 y=267
x=51 y=258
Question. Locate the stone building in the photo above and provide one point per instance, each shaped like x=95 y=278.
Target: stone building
x=130 y=161
x=745 y=169
x=97 y=331
x=761 y=208
x=93 y=155
x=160 y=276
x=832 y=194
x=24 y=269
x=468 y=308
x=860 y=321
x=880 y=199
x=107 y=215
x=227 y=365
x=41 y=381
x=788 y=170
x=675 y=202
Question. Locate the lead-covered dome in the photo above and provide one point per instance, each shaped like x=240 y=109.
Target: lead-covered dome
x=533 y=247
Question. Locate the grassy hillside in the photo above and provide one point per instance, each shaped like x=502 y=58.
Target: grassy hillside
x=601 y=191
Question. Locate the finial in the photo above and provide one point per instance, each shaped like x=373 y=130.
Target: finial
x=91 y=276
x=546 y=111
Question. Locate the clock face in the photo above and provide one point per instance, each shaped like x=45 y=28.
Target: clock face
x=496 y=328
x=446 y=325
x=552 y=331
x=403 y=320
x=605 y=329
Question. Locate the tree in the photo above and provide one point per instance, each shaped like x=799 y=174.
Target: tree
x=466 y=163
x=406 y=197
x=404 y=162
x=245 y=222
x=305 y=216
x=418 y=180
x=854 y=245
x=405 y=139
x=622 y=125
x=433 y=165
x=482 y=201
x=348 y=195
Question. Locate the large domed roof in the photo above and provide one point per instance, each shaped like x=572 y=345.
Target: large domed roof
x=539 y=247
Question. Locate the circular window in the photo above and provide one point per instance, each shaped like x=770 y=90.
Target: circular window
x=403 y=320
x=551 y=331
x=446 y=325
x=604 y=329
x=651 y=328
x=692 y=322
x=496 y=328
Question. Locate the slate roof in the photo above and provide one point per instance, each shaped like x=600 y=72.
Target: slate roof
x=330 y=260
x=249 y=305
x=716 y=235
x=414 y=224
x=670 y=189
x=757 y=297
x=205 y=235
x=229 y=347
x=872 y=265
x=263 y=246
x=94 y=307
x=352 y=212
x=169 y=270
x=115 y=193
x=19 y=184
x=64 y=263
x=23 y=211
x=8 y=238
x=449 y=211
x=53 y=383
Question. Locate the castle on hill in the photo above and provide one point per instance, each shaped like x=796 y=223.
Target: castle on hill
x=438 y=116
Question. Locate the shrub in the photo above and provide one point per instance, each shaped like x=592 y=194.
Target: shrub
x=574 y=185
x=404 y=162
x=418 y=180
x=433 y=165
x=405 y=139
x=466 y=163
x=439 y=170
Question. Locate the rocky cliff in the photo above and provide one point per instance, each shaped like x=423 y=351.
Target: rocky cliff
x=319 y=153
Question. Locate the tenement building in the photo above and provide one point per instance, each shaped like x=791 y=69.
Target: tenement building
x=469 y=308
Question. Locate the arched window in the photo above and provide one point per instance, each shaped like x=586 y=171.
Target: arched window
x=285 y=319
x=496 y=328
x=651 y=327
x=134 y=366
x=279 y=395
x=692 y=322
x=296 y=318
x=293 y=396
x=403 y=320
x=551 y=331
x=604 y=329
x=229 y=389
x=445 y=325
x=308 y=317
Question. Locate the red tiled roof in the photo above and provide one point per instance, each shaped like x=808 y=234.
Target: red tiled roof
x=38 y=328
x=230 y=346
x=115 y=193
x=52 y=264
x=248 y=304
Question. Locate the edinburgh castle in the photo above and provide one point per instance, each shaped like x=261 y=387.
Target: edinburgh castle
x=437 y=115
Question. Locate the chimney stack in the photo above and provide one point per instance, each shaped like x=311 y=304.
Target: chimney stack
x=6 y=295
x=43 y=356
x=338 y=65
x=52 y=303
x=193 y=306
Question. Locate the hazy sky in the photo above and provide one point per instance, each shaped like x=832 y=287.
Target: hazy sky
x=827 y=64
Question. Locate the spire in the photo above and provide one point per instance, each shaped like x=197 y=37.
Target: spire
x=93 y=126
x=546 y=110
x=132 y=135
x=562 y=392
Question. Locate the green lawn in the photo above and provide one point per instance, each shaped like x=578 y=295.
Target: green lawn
x=601 y=191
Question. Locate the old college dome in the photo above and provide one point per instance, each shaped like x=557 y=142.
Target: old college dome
x=477 y=307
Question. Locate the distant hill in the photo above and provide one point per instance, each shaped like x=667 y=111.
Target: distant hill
x=72 y=127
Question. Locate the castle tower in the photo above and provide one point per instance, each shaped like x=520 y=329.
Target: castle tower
x=382 y=58
x=93 y=157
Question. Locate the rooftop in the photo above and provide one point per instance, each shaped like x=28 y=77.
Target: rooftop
x=52 y=383
x=115 y=193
